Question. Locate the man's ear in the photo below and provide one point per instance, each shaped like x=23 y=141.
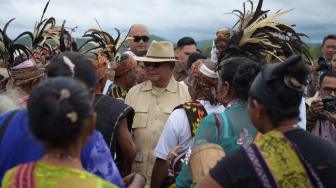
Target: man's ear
x=177 y=52
x=213 y=91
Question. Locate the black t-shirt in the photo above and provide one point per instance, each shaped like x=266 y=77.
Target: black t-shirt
x=236 y=170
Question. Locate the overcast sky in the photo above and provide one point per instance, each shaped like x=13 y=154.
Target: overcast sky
x=171 y=19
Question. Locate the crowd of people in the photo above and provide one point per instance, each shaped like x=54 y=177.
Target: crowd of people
x=128 y=111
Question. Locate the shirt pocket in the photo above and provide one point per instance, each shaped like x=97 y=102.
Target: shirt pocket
x=140 y=117
x=166 y=112
x=159 y=123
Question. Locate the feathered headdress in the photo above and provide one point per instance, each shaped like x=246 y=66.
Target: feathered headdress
x=40 y=34
x=21 y=67
x=265 y=37
x=49 y=36
x=103 y=43
x=22 y=70
x=11 y=51
x=106 y=48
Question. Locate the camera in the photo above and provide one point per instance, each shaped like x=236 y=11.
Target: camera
x=323 y=65
x=329 y=103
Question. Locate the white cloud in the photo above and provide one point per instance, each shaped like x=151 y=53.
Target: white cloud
x=170 y=19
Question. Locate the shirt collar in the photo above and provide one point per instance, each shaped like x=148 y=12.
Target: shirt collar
x=171 y=87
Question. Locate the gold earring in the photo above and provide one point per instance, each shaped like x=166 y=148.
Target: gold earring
x=225 y=100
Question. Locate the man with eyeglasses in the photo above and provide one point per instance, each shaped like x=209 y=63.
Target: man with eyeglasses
x=138 y=38
x=323 y=64
x=153 y=101
x=321 y=115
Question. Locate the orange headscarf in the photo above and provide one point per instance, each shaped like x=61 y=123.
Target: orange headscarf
x=126 y=64
x=203 y=80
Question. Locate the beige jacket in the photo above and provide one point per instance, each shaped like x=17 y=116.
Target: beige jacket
x=152 y=107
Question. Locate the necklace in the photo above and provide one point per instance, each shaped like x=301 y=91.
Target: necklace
x=233 y=103
x=61 y=156
x=287 y=128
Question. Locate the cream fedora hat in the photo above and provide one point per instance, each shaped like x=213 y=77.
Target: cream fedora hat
x=159 y=51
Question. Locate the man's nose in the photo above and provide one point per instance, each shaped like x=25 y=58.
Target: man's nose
x=141 y=41
x=150 y=68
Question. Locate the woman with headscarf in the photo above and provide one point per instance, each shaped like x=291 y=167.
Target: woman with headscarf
x=285 y=156
x=232 y=128
x=183 y=122
x=125 y=77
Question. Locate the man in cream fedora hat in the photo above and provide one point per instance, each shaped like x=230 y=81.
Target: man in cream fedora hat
x=153 y=101
x=162 y=51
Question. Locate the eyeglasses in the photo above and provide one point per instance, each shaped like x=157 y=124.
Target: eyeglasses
x=152 y=64
x=329 y=91
x=139 y=38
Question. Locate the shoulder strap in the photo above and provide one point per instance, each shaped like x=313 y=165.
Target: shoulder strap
x=217 y=126
x=24 y=177
x=98 y=100
x=224 y=123
x=314 y=178
x=282 y=148
x=6 y=122
x=195 y=113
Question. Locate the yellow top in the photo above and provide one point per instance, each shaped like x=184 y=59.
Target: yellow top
x=282 y=160
x=52 y=176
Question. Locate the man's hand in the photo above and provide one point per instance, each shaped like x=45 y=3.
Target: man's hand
x=159 y=173
x=315 y=68
x=135 y=180
x=331 y=117
x=316 y=107
x=128 y=179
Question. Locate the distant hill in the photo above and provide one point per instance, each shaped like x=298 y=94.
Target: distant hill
x=25 y=40
x=80 y=41
x=157 y=38
x=203 y=45
x=206 y=45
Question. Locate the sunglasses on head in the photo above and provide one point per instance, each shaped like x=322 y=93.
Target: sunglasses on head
x=139 y=38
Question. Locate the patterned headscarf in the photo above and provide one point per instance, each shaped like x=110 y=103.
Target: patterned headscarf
x=22 y=69
x=25 y=75
x=125 y=64
x=222 y=37
x=263 y=36
x=206 y=77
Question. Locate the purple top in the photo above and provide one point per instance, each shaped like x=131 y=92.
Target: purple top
x=325 y=129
